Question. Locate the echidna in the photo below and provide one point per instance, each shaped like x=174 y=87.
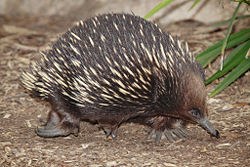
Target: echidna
x=117 y=68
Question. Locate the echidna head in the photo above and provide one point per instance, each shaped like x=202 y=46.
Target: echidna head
x=196 y=116
x=194 y=99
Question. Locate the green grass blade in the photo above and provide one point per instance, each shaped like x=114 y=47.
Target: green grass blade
x=194 y=4
x=157 y=8
x=234 y=58
x=236 y=73
x=228 y=34
x=212 y=52
x=239 y=51
x=246 y=1
x=227 y=21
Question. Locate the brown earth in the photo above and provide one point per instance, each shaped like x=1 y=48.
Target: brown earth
x=20 y=40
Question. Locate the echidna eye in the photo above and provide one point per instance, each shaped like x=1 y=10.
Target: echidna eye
x=195 y=113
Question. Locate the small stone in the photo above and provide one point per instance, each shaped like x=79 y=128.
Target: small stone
x=111 y=163
x=19 y=153
x=223 y=145
x=6 y=116
x=212 y=100
x=3 y=144
x=227 y=107
x=84 y=146
x=169 y=164
x=95 y=165
x=7 y=149
x=28 y=123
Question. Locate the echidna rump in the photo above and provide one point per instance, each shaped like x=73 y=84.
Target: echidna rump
x=117 y=68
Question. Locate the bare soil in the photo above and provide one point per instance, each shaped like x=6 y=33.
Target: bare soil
x=22 y=37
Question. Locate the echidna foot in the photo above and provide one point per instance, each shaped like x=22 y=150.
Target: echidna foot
x=174 y=134
x=64 y=129
x=180 y=132
x=108 y=132
x=57 y=126
x=171 y=134
x=155 y=134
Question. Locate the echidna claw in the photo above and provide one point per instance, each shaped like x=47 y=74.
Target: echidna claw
x=168 y=134
x=55 y=132
x=151 y=135
x=181 y=133
x=171 y=134
x=44 y=132
x=174 y=134
x=155 y=134
x=158 y=136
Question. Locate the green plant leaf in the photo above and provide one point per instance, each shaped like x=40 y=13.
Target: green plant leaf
x=227 y=21
x=233 y=59
x=228 y=34
x=240 y=51
x=246 y=1
x=157 y=8
x=212 y=52
x=236 y=73
x=194 y=4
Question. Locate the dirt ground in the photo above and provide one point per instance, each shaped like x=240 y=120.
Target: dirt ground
x=20 y=40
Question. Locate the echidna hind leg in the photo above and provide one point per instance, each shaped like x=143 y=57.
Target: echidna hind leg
x=110 y=130
x=60 y=121
x=167 y=127
x=62 y=129
x=53 y=120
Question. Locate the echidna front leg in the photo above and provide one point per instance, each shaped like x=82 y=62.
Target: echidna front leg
x=60 y=121
x=168 y=127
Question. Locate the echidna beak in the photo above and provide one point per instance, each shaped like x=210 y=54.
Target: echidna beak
x=204 y=123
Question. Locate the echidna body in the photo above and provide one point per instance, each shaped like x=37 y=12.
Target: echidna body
x=117 y=68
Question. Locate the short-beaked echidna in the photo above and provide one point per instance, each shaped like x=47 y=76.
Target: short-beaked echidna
x=117 y=68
